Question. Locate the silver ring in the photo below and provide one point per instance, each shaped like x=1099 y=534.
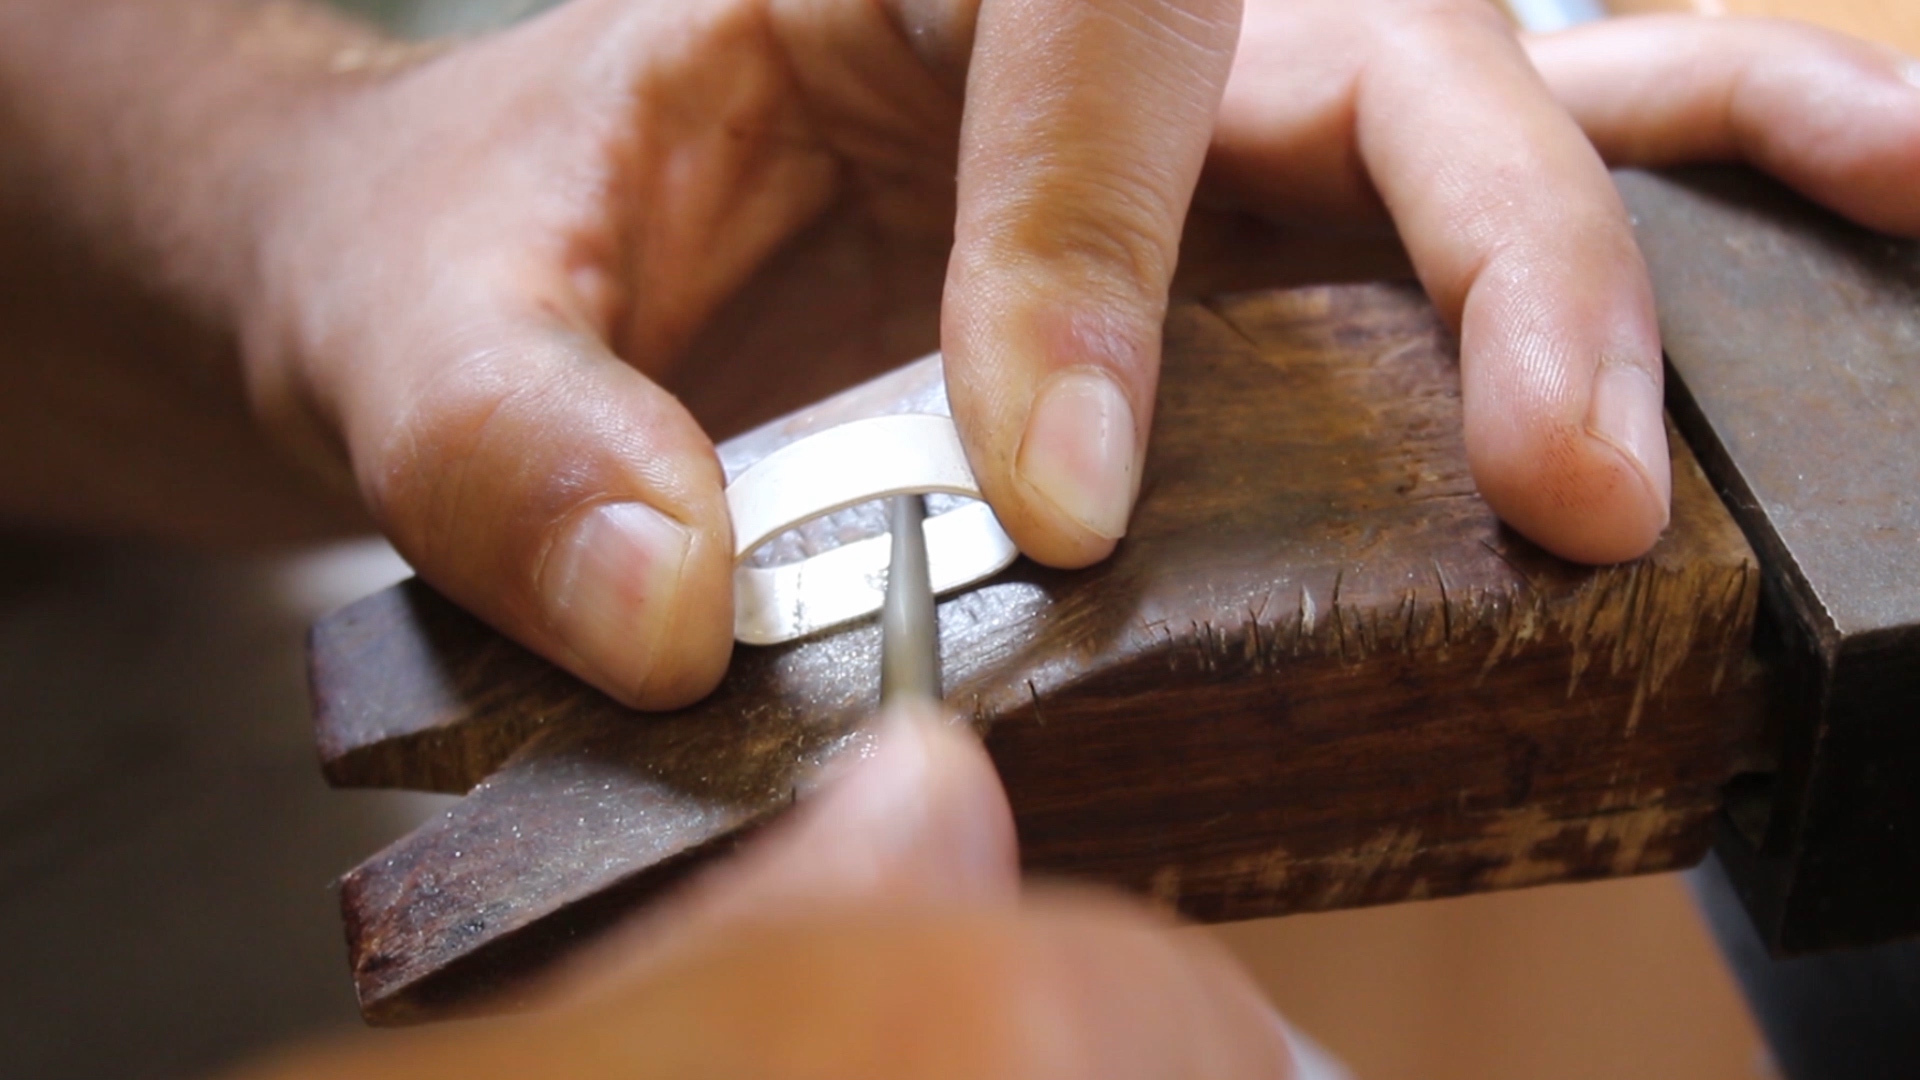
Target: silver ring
x=853 y=463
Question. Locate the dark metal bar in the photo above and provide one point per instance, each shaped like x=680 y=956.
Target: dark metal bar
x=1853 y=1014
x=909 y=628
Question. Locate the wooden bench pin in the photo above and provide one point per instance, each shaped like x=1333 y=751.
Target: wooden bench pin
x=1316 y=673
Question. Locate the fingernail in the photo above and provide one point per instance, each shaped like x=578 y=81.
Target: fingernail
x=1627 y=412
x=609 y=588
x=1079 y=450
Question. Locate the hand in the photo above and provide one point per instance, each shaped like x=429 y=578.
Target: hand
x=497 y=290
x=880 y=934
x=493 y=251
x=1487 y=159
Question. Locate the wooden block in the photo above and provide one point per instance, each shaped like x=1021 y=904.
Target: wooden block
x=1796 y=339
x=1317 y=673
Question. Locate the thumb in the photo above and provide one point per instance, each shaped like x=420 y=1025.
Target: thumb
x=918 y=818
x=556 y=492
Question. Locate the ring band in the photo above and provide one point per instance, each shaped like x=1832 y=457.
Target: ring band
x=853 y=463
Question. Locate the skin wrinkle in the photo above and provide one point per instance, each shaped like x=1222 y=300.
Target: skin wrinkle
x=773 y=187
x=400 y=445
x=599 y=265
x=1476 y=216
x=897 y=125
x=1170 y=28
x=595 y=212
x=1731 y=115
x=1061 y=236
x=1216 y=27
x=1550 y=466
x=1167 y=86
x=470 y=399
x=461 y=424
x=1526 y=321
x=347 y=341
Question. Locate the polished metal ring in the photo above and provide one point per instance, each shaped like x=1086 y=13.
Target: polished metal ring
x=856 y=462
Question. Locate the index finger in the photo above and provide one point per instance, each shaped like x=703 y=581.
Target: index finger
x=1086 y=124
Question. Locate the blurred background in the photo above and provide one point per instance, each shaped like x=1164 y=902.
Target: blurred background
x=167 y=848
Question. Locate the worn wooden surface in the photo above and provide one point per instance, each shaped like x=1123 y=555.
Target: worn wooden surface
x=1318 y=673
x=1796 y=339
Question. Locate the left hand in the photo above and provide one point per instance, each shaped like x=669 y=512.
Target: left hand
x=502 y=292
x=724 y=200
x=1488 y=155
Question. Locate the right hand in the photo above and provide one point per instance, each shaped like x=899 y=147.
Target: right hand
x=882 y=933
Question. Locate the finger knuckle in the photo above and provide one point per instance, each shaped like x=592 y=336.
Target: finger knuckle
x=1111 y=229
x=454 y=456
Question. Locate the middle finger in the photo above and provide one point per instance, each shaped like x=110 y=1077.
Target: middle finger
x=1433 y=111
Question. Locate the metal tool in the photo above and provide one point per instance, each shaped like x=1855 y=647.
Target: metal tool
x=909 y=625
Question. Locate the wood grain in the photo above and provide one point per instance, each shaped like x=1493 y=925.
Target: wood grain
x=1318 y=673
